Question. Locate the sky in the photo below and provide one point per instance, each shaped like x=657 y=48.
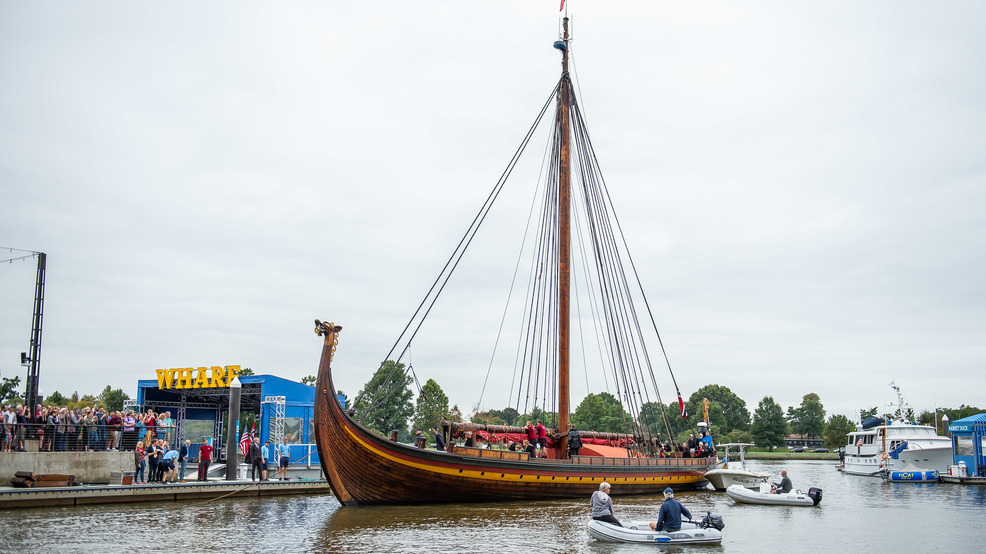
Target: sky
x=802 y=186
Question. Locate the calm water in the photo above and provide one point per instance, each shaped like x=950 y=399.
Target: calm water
x=866 y=513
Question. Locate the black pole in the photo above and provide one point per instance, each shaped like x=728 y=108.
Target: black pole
x=34 y=359
x=234 y=415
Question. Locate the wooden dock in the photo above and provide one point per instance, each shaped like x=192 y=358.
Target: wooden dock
x=117 y=494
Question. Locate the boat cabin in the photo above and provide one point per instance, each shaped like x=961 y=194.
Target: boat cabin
x=969 y=443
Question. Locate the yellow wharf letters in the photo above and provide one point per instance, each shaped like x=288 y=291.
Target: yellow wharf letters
x=200 y=378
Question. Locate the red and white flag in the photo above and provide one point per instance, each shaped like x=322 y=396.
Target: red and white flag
x=245 y=441
x=681 y=404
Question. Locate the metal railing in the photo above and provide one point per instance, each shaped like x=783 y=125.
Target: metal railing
x=67 y=437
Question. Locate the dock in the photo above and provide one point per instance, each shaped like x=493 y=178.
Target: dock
x=11 y=498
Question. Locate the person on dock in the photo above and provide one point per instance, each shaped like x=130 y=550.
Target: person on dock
x=149 y=424
x=669 y=518
x=22 y=426
x=574 y=441
x=439 y=439
x=254 y=458
x=9 y=420
x=101 y=418
x=153 y=460
x=602 y=505
x=183 y=459
x=783 y=487
x=285 y=451
x=168 y=469
x=265 y=454
x=113 y=423
x=139 y=464
x=205 y=458
x=129 y=434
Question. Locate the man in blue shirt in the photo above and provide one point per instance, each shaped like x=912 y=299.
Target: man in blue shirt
x=168 y=464
x=285 y=451
x=669 y=519
x=265 y=454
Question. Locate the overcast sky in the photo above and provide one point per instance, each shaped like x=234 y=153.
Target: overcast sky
x=802 y=184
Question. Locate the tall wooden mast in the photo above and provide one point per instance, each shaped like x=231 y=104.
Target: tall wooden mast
x=564 y=215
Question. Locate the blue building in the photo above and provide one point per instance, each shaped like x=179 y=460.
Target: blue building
x=198 y=399
x=969 y=443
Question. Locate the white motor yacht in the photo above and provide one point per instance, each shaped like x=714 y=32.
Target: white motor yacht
x=898 y=445
x=734 y=472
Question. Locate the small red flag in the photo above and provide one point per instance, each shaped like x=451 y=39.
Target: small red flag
x=681 y=404
x=562 y=5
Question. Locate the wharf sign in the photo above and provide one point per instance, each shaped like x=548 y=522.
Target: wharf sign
x=196 y=378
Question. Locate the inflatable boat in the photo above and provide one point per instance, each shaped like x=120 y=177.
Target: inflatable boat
x=707 y=531
x=741 y=494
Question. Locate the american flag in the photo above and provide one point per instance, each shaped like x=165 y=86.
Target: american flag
x=246 y=439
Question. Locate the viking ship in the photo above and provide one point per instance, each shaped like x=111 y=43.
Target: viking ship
x=365 y=467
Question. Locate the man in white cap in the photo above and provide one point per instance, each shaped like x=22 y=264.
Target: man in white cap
x=669 y=519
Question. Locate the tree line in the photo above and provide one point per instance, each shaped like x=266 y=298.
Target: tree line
x=729 y=418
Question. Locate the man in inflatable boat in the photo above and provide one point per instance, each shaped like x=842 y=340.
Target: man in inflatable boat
x=783 y=487
x=669 y=518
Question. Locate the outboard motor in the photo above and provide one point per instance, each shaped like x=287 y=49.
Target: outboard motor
x=713 y=520
x=815 y=494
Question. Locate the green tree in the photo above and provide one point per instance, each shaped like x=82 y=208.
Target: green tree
x=809 y=418
x=673 y=413
x=431 y=407
x=385 y=401
x=732 y=407
x=652 y=417
x=863 y=414
x=309 y=380
x=113 y=399
x=836 y=429
x=769 y=426
x=737 y=436
x=88 y=400
x=489 y=417
x=601 y=412
x=550 y=419
x=8 y=390
x=245 y=371
x=55 y=399
x=455 y=414
x=506 y=416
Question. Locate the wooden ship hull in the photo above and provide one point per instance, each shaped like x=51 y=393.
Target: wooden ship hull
x=365 y=468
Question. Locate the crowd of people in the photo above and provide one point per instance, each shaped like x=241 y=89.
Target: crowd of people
x=82 y=429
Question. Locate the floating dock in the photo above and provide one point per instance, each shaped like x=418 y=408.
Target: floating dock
x=119 y=494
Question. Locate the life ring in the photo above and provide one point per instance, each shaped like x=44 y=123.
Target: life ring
x=884 y=456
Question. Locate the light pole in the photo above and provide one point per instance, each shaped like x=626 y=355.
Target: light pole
x=944 y=423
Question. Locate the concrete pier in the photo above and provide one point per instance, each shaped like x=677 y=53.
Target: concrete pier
x=113 y=494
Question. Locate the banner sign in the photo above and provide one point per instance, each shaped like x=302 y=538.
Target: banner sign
x=196 y=378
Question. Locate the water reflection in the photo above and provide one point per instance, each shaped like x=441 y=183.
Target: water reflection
x=865 y=513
